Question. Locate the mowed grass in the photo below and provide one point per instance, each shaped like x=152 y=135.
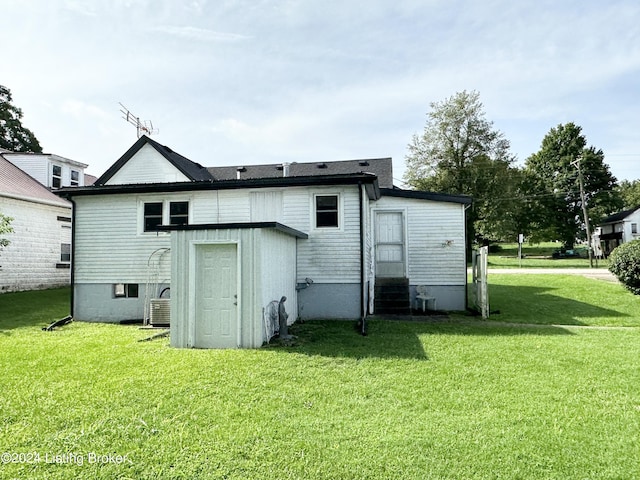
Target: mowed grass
x=459 y=399
x=561 y=299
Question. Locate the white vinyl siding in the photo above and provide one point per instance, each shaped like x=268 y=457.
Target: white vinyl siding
x=435 y=239
x=147 y=166
x=40 y=167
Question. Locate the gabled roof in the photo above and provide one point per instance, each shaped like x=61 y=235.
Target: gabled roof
x=618 y=217
x=194 y=171
x=380 y=167
x=15 y=183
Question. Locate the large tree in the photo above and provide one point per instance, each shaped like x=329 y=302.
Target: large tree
x=13 y=135
x=630 y=193
x=554 y=176
x=460 y=152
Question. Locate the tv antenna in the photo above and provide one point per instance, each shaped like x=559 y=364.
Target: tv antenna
x=142 y=127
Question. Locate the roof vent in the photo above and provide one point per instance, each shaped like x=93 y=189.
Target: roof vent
x=285 y=169
x=363 y=163
x=322 y=165
x=239 y=170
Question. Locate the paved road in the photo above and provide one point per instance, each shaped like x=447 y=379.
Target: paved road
x=598 y=273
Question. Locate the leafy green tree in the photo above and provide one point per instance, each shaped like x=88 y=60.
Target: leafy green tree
x=630 y=193
x=553 y=176
x=13 y=135
x=460 y=152
x=5 y=227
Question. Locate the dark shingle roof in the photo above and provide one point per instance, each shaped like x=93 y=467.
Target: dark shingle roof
x=381 y=167
x=617 y=217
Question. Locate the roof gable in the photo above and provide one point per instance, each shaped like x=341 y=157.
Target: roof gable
x=184 y=169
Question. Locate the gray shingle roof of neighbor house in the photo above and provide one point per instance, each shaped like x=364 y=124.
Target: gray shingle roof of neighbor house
x=616 y=217
x=15 y=183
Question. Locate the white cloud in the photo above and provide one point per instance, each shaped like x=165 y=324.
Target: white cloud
x=200 y=34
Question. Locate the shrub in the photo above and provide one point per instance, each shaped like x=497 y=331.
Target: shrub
x=624 y=263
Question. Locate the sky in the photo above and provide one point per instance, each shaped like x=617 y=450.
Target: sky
x=240 y=82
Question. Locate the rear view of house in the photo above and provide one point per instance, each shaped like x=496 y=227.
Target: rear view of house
x=226 y=244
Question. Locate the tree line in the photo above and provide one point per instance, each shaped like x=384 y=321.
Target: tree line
x=460 y=152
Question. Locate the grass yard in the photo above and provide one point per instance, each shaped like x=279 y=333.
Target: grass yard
x=562 y=299
x=536 y=256
x=461 y=399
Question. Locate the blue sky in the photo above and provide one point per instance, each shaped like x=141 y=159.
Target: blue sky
x=242 y=82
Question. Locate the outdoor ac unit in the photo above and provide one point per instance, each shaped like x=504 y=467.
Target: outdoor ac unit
x=160 y=314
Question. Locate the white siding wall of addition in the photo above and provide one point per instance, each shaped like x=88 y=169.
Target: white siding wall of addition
x=147 y=166
x=277 y=252
x=33 y=259
x=435 y=239
x=329 y=255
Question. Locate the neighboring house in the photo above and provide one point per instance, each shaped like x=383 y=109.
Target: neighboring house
x=39 y=255
x=619 y=228
x=52 y=171
x=231 y=241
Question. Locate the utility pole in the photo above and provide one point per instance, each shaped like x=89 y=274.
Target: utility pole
x=584 y=208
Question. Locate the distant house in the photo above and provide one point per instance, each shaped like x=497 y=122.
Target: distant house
x=52 y=171
x=222 y=245
x=39 y=255
x=619 y=228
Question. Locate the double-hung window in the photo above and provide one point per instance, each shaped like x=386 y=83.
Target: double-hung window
x=152 y=216
x=327 y=213
x=56 y=176
x=75 y=178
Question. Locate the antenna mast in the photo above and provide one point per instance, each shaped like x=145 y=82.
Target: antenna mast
x=141 y=127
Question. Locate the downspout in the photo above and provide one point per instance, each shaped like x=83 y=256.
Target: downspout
x=73 y=253
x=466 y=276
x=363 y=314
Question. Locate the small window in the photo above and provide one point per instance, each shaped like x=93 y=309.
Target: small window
x=326 y=211
x=179 y=213
x=125 y=290
x=65 y=252
x=634 y=228
x=152 y=216
x=56 y=176
x=75 y=178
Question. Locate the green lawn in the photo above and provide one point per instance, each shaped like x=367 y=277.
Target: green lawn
x=536 y=256
x=458 y=399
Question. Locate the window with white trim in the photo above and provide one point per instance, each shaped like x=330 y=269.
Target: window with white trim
x=327 y=211
x=152 y=216
x=634 y=228
x=56 y=176
x=75 y=178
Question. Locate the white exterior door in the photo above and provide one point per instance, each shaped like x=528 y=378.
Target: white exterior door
x=216 y=323
x=390 y=244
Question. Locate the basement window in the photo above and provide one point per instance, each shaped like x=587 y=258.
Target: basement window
x=327 y=211
x=125 y=290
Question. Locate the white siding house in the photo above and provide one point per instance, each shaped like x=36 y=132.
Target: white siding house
x=52 y=171
x=229 y=241
x=619 y=228
x=39 y=255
